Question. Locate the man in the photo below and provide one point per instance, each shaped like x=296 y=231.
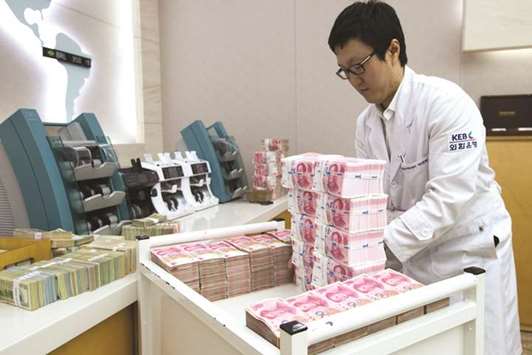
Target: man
x=446 y=211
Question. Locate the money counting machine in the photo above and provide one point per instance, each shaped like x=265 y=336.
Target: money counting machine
x=198 y=172
x=59 y=176
x=170 y=184
x=139 y=183
x=221 y=151
x=167 y=195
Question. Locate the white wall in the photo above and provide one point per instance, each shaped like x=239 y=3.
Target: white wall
x=264 y=68
x=123 y=87
x=105 y=31
x=505 y=72
x=497 y=24
x=231 y=61
x=151 y=78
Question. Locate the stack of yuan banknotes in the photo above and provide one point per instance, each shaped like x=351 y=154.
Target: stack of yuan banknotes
x=313 y=308
x=267 y=167
x=223 y=268
x=338 y=217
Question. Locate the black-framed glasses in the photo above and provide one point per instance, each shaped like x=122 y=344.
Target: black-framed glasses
x=356 y=69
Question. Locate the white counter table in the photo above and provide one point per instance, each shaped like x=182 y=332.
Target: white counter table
x=43 y=330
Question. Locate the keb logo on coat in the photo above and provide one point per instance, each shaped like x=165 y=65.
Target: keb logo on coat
x=462 y=141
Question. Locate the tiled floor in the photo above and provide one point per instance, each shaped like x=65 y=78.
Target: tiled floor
x=526 y=339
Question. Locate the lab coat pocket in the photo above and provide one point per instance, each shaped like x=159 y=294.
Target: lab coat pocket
x=466 y=245
x=412 y=178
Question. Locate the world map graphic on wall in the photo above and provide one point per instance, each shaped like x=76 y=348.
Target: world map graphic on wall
x=76 y=76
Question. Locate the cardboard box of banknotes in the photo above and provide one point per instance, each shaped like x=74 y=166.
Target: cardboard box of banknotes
x=21 y=251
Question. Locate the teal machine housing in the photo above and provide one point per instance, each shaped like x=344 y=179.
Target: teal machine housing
x=214 y=144
x=67 y=174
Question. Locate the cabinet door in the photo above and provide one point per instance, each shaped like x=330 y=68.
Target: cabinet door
x=513 y=168
x=116 y=335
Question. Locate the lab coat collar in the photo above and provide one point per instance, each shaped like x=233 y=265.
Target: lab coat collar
x=404 y=95
x=375 y=128
x=389 y=111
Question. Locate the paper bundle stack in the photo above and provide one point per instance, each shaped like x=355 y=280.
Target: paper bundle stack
x=261 y=261
x=117 y=243
x=361 y=249
x=283 y=235
x=328 y=270
x=304 y=229
x=371 y=287
x=314 y=307
x=62 y=241
x=144 y=227
x=353 y=214
x=237 y=267
x=275 y=145
x=265 y=317
x=28 y=290
x=228 y=267
x=110 y=265
x=62 y=273
x=341 y=295
x=282 y=255
x=85 y=273
x=212 y=272
x=179 y=263
x=267 y=167
x=36 y=285
x=338 y=216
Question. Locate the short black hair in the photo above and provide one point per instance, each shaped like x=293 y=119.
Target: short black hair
x=374 y=23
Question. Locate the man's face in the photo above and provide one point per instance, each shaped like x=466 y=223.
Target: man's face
x=375 y=84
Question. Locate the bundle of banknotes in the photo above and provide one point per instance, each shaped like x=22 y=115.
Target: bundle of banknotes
x=225 y=268
x=327 y=270
x=283 y=235
x=153 y=225
x=348 y=214
x=237 y=267
x=338 y=217
x=108 y=265
x=267 y=167
x=36 y=285
x=312 y=308
x=275 y=145
x=333 y=174
x=365 y=247
x=281 y=253
x=211 y=268
x=260 y=261
x=62 y=241
x=117 y=243
x=178 y=262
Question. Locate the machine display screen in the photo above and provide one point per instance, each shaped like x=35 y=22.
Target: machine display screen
x=172 y=172
x=200 y=168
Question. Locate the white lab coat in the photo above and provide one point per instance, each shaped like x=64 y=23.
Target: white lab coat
x=444 y=205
